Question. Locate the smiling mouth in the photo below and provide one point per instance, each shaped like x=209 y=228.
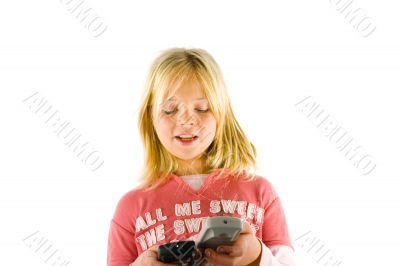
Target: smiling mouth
x=186 y=139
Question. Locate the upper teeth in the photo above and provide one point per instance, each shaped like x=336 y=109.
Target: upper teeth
x=186 y=136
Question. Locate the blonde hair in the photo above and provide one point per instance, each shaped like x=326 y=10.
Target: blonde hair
x=230 y=150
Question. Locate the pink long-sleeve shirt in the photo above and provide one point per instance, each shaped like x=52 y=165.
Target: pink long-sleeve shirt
x=175 y=211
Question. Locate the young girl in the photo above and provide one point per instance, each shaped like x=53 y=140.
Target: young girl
x=198 y=163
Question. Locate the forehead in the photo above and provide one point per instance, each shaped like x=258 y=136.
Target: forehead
x=187 y=91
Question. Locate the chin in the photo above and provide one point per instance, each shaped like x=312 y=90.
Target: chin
x=188 y=157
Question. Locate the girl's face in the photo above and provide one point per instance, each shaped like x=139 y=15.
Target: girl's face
x=185 y=125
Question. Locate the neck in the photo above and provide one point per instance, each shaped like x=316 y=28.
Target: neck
x=191 y=167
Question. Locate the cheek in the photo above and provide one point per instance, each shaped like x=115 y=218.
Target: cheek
x=210 y=123
x=163 y=127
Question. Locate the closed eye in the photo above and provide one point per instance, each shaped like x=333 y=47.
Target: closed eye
x=173 y=111
x=169 y=112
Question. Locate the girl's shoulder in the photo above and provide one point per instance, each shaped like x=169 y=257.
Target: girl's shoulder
x=258 y=184
x=257 y=180
x=131 y=201
x=139 y=191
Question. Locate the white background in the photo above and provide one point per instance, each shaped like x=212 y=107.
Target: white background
x=273 y=54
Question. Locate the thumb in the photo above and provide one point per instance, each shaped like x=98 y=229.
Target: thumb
x=155 y=248
x=247 y=229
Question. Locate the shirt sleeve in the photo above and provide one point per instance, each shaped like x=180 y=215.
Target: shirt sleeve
x=284 y=254
x=279 y=255
x=275 y=230
x=122 y=249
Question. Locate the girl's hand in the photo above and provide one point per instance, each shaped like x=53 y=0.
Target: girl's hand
x=149 y=258
x=245 y=250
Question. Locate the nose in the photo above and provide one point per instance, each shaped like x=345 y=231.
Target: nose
x=186 y=118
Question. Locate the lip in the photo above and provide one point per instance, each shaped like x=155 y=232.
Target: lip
x=186 y=133
x=186 y=141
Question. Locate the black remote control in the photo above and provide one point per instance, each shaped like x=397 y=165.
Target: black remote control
x=182 y=252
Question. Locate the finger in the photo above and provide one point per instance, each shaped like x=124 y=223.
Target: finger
x=154 y=248
x=159 y=263
x=152 y=253
x=203 y=261
x=222 y=259
x=232 y=251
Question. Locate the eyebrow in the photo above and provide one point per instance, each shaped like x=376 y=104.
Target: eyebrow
x=172 y=99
